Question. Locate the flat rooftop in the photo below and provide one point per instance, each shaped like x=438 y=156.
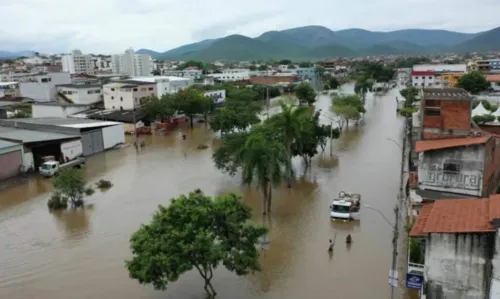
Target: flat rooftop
x=8 y=83
x=28 y=136
x=57 y=121
x=153 y=79
x=446 y=94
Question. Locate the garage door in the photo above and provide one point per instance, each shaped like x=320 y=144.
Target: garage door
x=92 y=142
x=9 y=164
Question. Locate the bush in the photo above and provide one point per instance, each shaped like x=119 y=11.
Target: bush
x=482 y=119
x=104 y=184
x=57 y=202
x=408 y=111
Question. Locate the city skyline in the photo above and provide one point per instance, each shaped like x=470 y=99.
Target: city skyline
x=113 y=26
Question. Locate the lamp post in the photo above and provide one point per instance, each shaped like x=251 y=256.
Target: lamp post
x=394 y=240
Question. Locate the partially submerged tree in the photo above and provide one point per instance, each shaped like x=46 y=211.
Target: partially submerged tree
x=69 y=186
x=159 y=109
x=305 y=93
x=348 y=108
x=195 y=232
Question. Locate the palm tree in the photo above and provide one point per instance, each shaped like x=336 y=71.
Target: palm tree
x=262 y=160
x=288 y=122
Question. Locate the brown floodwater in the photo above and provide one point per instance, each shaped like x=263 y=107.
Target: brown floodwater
x=80 y=254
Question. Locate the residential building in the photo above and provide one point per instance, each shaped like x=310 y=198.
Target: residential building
x=102 y=63
x=461 y=243
x=166 y=84
x=9 y=89
x=307 y=73
x=36 y=60
x=423 y=78
x=450 y=79
x=77 y=63
x=127 y=94
x=11 y=156
x=231 y=75
x=42 y=87
x=494 y=81
x=445 y=113
x=80 y=93
x=441 y=68
x=274 y=80
x=54 y=109
x=192 y=73
x=131 y=64
x=486 y=65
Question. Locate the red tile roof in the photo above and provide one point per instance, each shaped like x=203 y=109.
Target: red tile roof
x=493 y=78
x=458 y=216
x=423 y=73
x=427 y=145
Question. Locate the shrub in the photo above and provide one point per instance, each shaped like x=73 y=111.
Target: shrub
x=57 y=201
x=104 y=184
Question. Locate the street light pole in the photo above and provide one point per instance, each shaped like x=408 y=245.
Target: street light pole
x=394 y=240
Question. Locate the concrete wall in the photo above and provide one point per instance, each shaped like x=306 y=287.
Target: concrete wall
x=459 y=265
x=495 y=275
x=469 y=179
x=82 y=95
x=56 y=111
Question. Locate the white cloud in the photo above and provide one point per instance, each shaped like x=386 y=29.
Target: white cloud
x=111 y=26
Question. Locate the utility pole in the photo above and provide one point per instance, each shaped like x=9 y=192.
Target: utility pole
x=135 y=129
x=331 y=138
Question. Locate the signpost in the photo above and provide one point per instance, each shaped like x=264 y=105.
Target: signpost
x=414 y=281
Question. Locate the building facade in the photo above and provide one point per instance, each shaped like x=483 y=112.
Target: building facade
x=166 y=84
x=77 y=63
x=186 y=73
x=42 y=87
x=450 y=79
x=85 y=94
x=231 y=75
x=423 y=78
x=127 y=95
x=131 y=64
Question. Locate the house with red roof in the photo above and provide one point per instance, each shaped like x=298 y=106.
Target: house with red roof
x=460 y=244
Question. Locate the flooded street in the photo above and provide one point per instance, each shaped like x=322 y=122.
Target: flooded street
x=81 y=254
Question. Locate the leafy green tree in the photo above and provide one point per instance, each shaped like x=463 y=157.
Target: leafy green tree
x=482 y=119
x=305 y=64
x=159 y=109
x=333 y=83
x=235 y=115
x=285 y=61
x=288 y=123
x=69 y=186
x=473 y=82
x=348 y=108
x=362 y=86
x=190 y=103
x=195 y=232
x=305 y=93
x=243 y=94
x=253 y=68
x=156 y=73
x=262 y=67
x=291 y=66
x=190 y=63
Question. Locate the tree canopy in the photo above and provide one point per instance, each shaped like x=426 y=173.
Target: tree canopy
x=305 y=93
x=473 y=82
x=195 y=232
x=347 y=108
x=69 y=186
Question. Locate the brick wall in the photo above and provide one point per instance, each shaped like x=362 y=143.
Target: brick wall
x=491 y=173
x=455 y=115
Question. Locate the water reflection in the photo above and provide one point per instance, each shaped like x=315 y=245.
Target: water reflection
x=74 y=223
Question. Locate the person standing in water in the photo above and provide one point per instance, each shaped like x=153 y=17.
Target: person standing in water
x=330 y=248
x=348 y=239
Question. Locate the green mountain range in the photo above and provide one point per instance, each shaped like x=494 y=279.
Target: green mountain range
x=318 y=42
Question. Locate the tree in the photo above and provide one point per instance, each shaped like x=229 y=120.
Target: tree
x=288 y=123
x=235 y=115
x=362 y=86
x=253 y=68
x=305 y=64
x=156 y=73
x=348 y=107
x=291 y=66
x=333 y=83
x=195 y=232
x=305 y=93
x=69 y=185
x=262 y=67
x=197 y=64
x=473 y=82
x=160 y=109
x=482 y=119
x=190 y=103
x=285 y=62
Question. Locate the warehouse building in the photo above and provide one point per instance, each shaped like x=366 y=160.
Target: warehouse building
x=11 y=158
x=46 y=135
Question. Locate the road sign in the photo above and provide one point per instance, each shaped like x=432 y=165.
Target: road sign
x=393 y=278
x=414 y=281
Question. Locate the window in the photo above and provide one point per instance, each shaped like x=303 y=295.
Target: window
x=112 y=89
x=135 y=89
x=416 y=84
x=451 y=167
x=121 y=108
x=423 y=84
x=112 y=98
x=121 y=99
x=432 y=108
x=150 y=88
x=430 y=78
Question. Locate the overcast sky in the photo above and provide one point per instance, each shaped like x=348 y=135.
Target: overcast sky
x=111 y=26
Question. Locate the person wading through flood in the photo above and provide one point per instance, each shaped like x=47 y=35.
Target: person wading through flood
x=348 y=239
x=330 y=248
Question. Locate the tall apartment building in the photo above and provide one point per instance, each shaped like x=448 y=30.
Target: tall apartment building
x=131 y=64
x=77 y=63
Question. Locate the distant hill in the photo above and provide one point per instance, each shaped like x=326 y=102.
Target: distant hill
x=13 y=55
x=318 y=42
x=482 y=42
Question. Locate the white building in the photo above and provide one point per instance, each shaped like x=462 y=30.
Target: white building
x=187 y=73
x=56 y=109
x=132 y=64
x=127 y=94
x=42 y=88
x=85 y=94
x=36 y=60
x=424 y=79
x=441 y=68
x=230 y=75
x=166 y=84
x=77 y=63
x=102 y=63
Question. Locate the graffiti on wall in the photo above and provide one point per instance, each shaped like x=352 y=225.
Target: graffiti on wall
x=445 y=179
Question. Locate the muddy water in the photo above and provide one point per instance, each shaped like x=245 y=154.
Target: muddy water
x=80 y=254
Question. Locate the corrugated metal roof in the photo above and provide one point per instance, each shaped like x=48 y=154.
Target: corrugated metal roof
x=27 y=136
x=6 y=144
x=55 y=121
x=427 y=145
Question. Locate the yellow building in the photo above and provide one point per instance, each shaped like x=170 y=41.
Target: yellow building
x=450 y=79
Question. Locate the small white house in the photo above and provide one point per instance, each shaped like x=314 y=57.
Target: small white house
x=423 y=79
